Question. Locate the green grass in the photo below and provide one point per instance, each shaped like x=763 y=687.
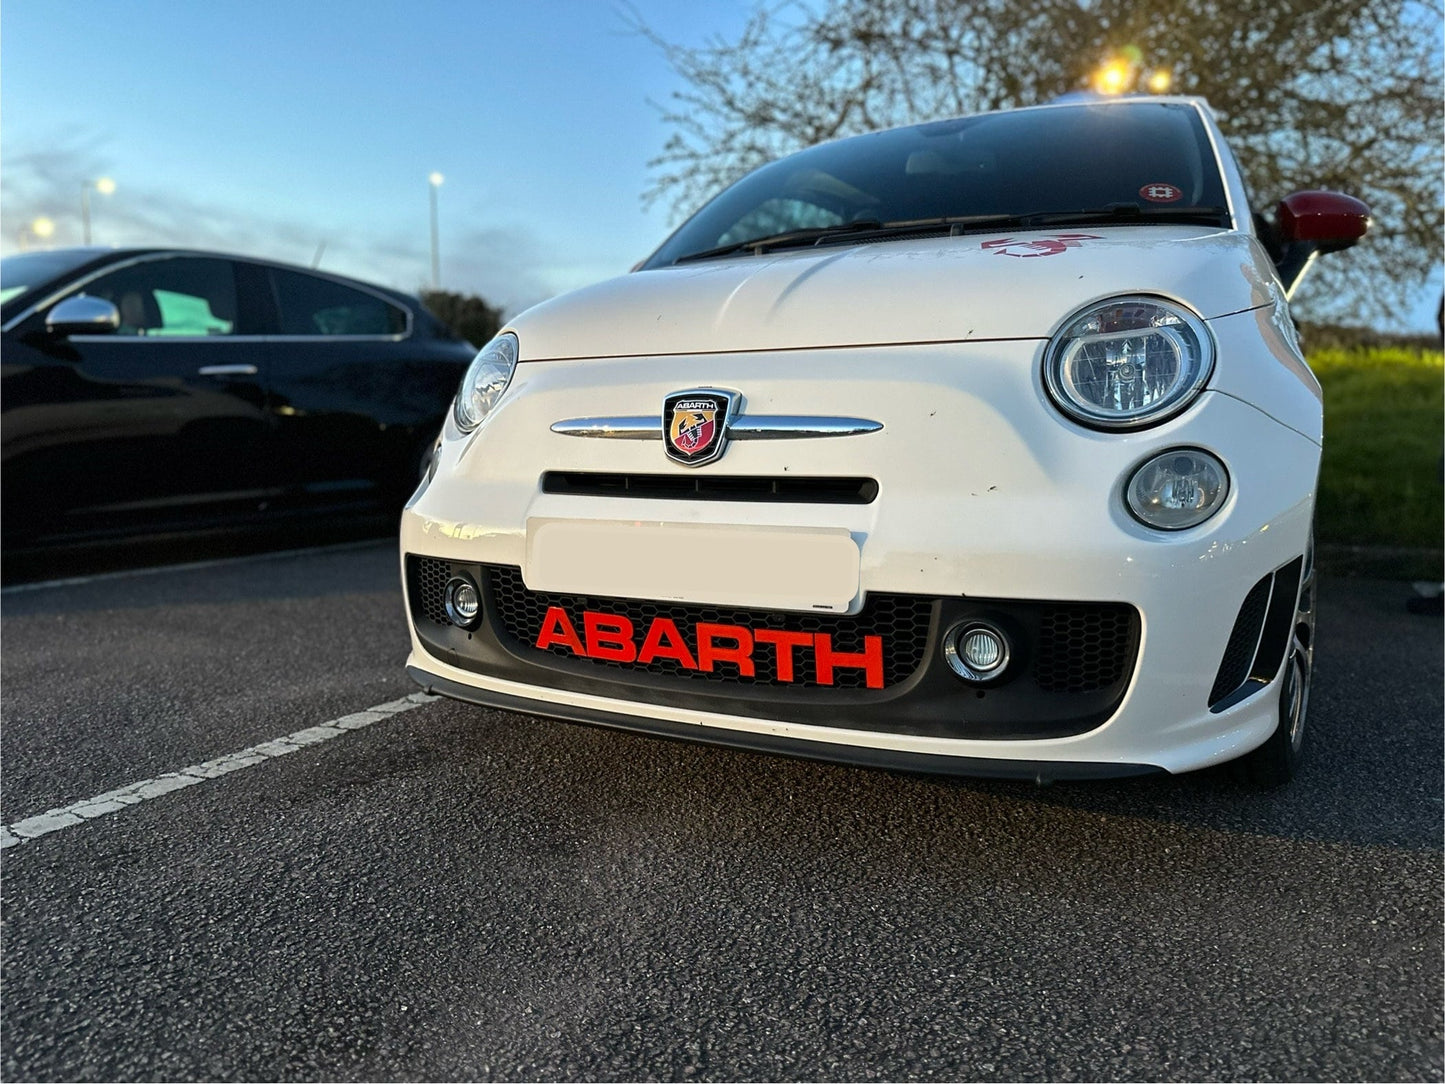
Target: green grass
x=1384 y=416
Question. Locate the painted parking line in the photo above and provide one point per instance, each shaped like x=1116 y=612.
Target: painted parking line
x=191 y=566
x=113 y=801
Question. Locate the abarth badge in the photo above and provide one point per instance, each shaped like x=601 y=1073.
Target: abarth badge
x=696 y=423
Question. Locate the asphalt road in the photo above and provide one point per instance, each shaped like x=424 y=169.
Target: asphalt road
x=450 y=892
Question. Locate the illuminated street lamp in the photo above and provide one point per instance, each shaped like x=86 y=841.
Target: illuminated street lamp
x=434 y=181
x=105 y=186
x=1113 y=77
x=41 y=229
x=1124 y=73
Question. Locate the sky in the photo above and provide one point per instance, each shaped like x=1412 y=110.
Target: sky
x=271 y=128
x=276 y=127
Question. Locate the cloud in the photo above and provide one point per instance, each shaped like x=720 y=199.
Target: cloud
x=505 y=265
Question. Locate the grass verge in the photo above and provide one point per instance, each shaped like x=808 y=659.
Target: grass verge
x=1380 y=481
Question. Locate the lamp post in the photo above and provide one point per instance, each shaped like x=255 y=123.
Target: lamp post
x=434 y=181
x=105 y=186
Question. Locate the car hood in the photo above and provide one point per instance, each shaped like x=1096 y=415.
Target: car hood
x=948 y=289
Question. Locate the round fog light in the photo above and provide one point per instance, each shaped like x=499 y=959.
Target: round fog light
x=976 y=652
x=1177 y=489
x=463 y=602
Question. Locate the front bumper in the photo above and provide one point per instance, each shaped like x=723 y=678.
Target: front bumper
x=999 y=503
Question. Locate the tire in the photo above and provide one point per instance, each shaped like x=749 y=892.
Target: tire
x=1278 y=760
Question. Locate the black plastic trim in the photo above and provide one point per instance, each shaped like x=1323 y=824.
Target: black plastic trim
x=761 y=489
x=1273 y=633
x=1040 y=771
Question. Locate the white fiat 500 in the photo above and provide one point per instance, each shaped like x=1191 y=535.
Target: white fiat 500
x=982 y=446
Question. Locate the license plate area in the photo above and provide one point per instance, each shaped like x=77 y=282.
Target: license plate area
x=798 y=569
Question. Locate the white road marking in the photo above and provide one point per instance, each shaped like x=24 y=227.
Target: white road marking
x=112 y=801
x=151 y=570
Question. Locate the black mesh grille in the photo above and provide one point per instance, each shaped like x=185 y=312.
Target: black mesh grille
x=713 y=487
x=431 y=578
x=1074 y=659
x=1084 y=647
x=1239 y=652
x=901 y=620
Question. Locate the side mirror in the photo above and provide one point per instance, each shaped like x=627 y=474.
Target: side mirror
x=1329 y=221
x=82 y=315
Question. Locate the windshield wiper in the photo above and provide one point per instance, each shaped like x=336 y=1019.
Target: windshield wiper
x=787 y=237
x=862 y=229
x=1116 y=214
x=871 y=228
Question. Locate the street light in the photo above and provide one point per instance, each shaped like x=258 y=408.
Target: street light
x=434 y=181
x=105 y=186
x=1124 y=73
x=1113 y=77
x=41 y=229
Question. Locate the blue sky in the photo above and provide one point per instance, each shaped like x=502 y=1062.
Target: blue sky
x=270 y=127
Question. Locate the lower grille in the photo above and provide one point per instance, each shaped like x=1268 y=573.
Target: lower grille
x=1085 y=646
x=1073 y=661
x=429 y=580
x=901 y=620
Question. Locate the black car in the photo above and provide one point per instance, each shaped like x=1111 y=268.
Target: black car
x=148 y=390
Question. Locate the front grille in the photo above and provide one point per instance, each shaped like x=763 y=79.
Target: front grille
x=1073 y=660
x=430 y=577
x=1085 y=646
x=901 y=620
x=713 y=487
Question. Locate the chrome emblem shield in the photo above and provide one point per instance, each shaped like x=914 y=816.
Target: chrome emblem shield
x=695 y=424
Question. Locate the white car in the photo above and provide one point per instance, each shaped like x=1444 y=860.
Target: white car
x=983 y=446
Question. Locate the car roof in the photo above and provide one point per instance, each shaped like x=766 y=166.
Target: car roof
x=108 y=255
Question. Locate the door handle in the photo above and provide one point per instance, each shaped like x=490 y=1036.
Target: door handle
x=227 y=370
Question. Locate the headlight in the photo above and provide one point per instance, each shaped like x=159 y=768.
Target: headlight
x=487 y=377
x=1177 y=489
x=1129 y=362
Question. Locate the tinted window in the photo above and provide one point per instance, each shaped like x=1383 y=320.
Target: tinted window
x=182 y=296
x=316 y=306
x=1064 y=158
x=22 y=273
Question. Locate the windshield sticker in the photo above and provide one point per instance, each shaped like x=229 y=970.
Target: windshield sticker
x=1045 y=246
x=1161 y=193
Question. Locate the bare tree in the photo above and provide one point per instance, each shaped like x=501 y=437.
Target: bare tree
x=1340 y=94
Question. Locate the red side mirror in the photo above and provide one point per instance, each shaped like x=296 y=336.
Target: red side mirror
x=1332 y=220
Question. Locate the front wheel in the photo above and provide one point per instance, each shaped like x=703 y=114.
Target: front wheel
x=1276 y=761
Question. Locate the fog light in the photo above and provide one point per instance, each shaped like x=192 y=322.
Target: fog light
x=463 y=602
x=1177 y=489
x=975 y=651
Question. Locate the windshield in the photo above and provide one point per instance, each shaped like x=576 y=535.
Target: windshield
x=1153 y=155
x=23 y=273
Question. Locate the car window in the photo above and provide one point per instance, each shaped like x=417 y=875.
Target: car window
x=28 y=271
x=315 y=306
x=184 y=296
x=778 y=215
x=1059 y=159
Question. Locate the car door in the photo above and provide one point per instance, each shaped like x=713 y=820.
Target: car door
x=159 y=423
x=345 y=388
